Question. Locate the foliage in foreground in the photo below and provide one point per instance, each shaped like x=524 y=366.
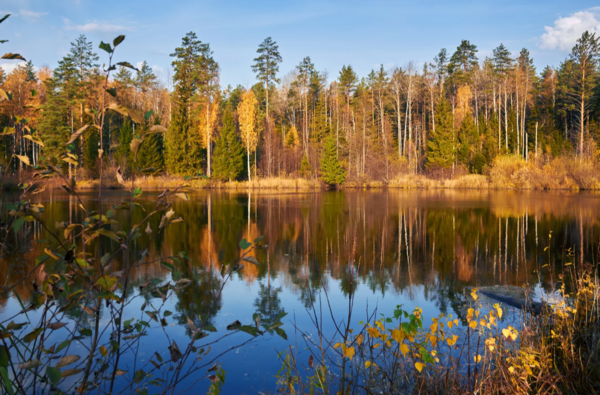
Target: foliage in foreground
x=555 y=352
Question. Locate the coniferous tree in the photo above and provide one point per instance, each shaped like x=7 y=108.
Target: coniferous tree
x=122 y=153
x=151 y=153
x=182 y=142
x=228 y=163
x=266 y=66
x=31 y=77
x=441 y=151
x=332 y=172
x=468 y=140
x=53 y=126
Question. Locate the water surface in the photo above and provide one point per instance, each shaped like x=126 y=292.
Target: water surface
x=415 y=248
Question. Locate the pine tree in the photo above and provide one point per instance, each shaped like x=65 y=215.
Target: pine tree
x=468 y=140
x=266 y=66
x=441 y=150
x=228 y=162
x=331 y=169
x=184 y=154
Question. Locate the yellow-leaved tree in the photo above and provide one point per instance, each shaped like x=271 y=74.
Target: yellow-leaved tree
x=463 y=105
x=247 y=118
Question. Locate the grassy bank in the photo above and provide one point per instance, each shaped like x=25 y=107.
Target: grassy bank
x=506 y=172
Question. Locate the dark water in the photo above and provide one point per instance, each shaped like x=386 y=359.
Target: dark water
x=416 y=248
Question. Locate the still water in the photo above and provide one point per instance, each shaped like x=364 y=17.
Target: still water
x=414 y=248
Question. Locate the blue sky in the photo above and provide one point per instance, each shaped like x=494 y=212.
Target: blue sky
x=333 y=33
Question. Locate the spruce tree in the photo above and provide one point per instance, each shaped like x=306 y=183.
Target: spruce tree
x=468 y=140
x=151 y=153
x=122 y=153
x=228 y=160
x=184 y=154
x=52 y=126
x=441 y=150
x=331 y=169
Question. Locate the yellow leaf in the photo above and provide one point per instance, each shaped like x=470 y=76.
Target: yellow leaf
x=377 y=345
x=419 y=366
x=336 y=345
x=404 y=349
x=367 y=364
x=359 y=339
x=474 y=295
x=473 y=324
x=450 y=324
x=511 y=369
x=103 y=351
x=506 y=332
x=477 y=358
x=349 y=352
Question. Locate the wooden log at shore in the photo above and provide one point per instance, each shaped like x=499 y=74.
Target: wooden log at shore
x=519 y=303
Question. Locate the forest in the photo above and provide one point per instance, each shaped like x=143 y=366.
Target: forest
x=455 y=115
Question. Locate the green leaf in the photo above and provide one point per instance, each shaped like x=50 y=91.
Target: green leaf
x=33 y=92
x=137 y=192
x=127 y=64
x=281 y=333
x=148 y=114
x=4 y=374
x=258 y=239
x=210 y=328
x=139 y=376
x=105 y=46
x=4 y=18
x=118 y=40
x=53 y=374
x=18 y=223
x=4 y=358
x=62 y=346
x=112 y=92
x=33 y=335
x=244 y=244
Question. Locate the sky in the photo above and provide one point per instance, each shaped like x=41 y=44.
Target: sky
x=363 y=34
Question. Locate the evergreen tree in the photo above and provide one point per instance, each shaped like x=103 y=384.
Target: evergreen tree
x=151 y=153
x=228 y=162
x=266 y=66
x=182 y=143
x=122 y=153
x=468 y=141
x=145 y=78
x=31 y=77
x=441 y=150
x=52 y=126
x=331 y=169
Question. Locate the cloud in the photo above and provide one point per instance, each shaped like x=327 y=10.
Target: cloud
x=32 y=14
x=95 y=27
x=9 y=67
x=567 y=30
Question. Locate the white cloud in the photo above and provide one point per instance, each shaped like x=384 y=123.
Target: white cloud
x=567 y=30
x=95 y=27
x=32 y=14
x=9 y=67
x=138 y=65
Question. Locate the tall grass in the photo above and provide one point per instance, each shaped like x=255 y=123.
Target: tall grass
x=555 y=352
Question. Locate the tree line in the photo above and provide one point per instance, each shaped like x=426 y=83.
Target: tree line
x=452 y=115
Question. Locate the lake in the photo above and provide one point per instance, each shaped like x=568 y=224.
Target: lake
x=412 y=248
